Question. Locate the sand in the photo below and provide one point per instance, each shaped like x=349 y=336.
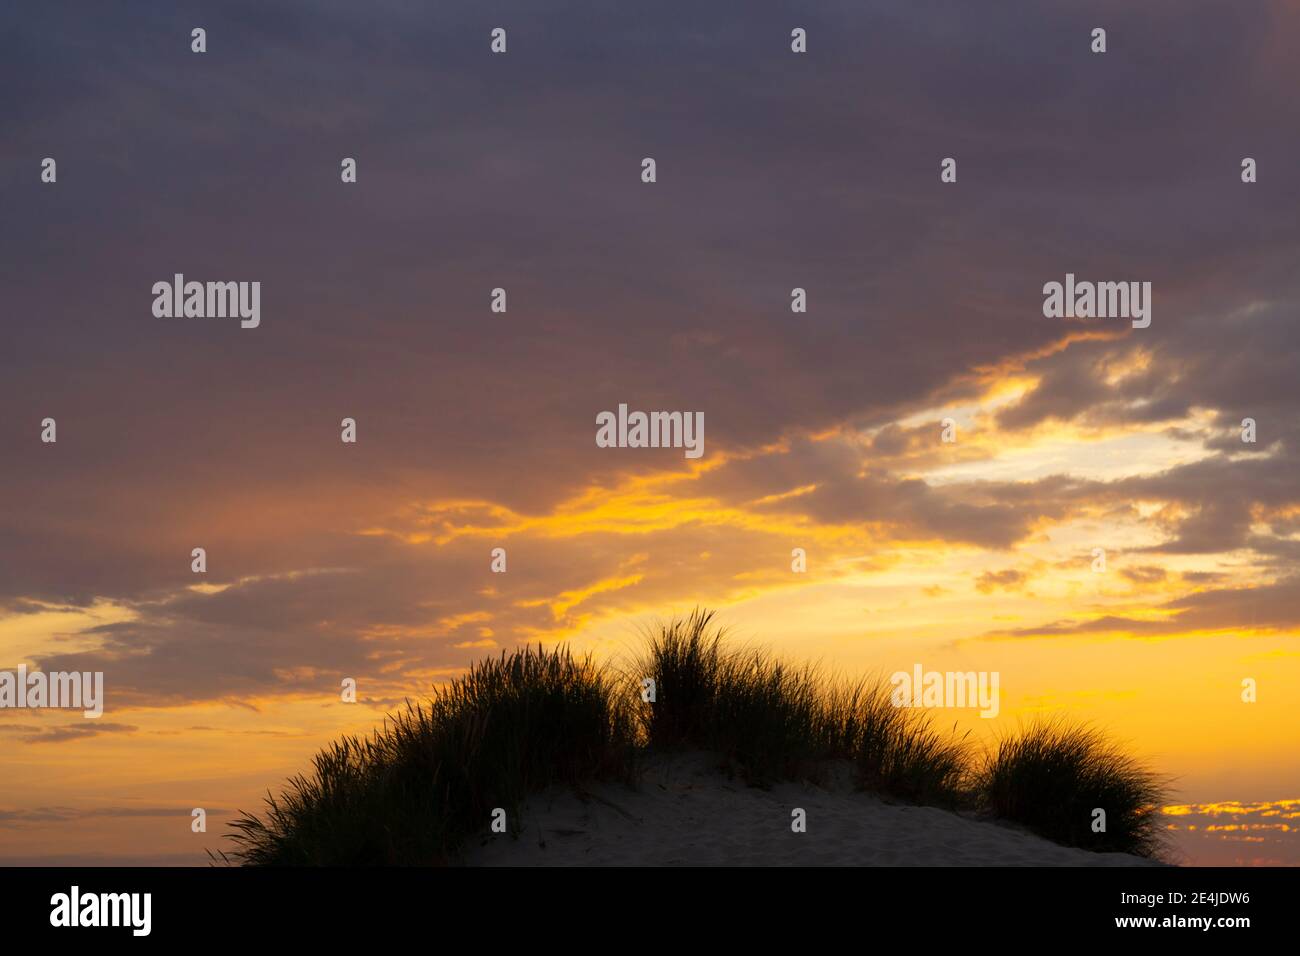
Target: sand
x=687 y=812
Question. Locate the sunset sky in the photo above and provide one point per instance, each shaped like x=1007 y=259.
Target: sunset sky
x=476 y=430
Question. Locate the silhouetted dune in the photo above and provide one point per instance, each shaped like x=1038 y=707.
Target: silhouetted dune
x=491 y=751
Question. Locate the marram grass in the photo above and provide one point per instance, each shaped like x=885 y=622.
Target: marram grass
x=426 y=782
x=1055 y=778
x=414 y=790
x=773 y=721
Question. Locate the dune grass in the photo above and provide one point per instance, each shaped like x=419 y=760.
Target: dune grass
x=1052 y=778
x=418 y=788
x=774 y=722
x=413 y=791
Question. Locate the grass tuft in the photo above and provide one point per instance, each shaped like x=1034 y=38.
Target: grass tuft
x=415 y=790
x=777 y=722
x=1052 y=776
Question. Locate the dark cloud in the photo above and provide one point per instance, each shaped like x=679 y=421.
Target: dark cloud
x=1009 y=580
x=1146 y=574
x=42 y=815
x=63 y=733
x=1275 y=605
x=521 y=171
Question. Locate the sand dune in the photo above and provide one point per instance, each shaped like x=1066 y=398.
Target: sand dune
x=687 y=812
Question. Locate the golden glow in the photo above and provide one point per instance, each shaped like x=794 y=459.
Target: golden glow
x=883 y=590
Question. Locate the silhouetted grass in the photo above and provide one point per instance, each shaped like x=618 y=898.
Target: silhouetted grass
x=429 y=779
x=434 y=773
x=1053 y=776
x=777 y=722
x=899 y=752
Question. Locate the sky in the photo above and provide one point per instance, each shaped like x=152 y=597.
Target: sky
x=475 y=429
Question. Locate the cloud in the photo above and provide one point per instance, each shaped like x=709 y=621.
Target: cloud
x=58 y=814
x=1274 y=606
x=1146 y=574
x=476 y=430
x=77 y=731
x=1009 y=580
